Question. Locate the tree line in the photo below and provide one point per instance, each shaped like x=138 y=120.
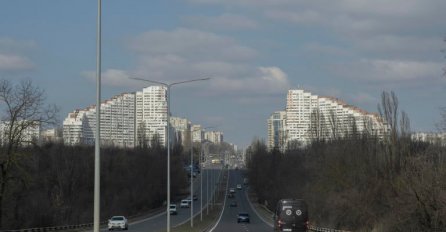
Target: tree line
x=359 y=182
x=52 y=184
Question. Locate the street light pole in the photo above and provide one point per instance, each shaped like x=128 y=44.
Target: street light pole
x=97 y=163
x=191 y=181
x=168 y=86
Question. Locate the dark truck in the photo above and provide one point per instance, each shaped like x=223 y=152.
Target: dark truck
x=291 y=215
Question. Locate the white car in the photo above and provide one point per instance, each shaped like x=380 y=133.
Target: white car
x=185 y=203
x=118 y=222
x=173 y=209
x=239 y=186
x=231 y=190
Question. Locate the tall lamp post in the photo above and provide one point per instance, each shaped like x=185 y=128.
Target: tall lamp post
x=168 y=86
x=96 y=207
x=201 y=178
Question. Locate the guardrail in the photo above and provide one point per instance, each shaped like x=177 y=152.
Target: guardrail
x=310 y=227
x=320 y=229
x=56 y=228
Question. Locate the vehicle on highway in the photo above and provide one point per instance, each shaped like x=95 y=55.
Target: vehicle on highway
x=233 y=204
x=239 y=186
x=243 y=217
x=231 y=190
x=118 y=222
x=195 y=197
x=291 y=215
x=173 y=209
x=231 y=195
x=185 y=203
x=245 y=181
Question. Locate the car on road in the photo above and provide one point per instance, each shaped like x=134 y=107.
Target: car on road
x=233 y=204
x=173 y=209
x=118 y=222
x=195 y=197
x=239 y=186
x=231 y=195
x=243 y=217
x=185 y=203
x=231 y=190
x=291 y=215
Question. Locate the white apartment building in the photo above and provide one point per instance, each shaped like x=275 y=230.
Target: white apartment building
x=309 y=117
x=117 y=123
x=276 y=130
x=28 y=135
x=197 y=134
x=430 y=137
x=132 y=119
x=181 y=128
x=215 y=137
x=151 y=113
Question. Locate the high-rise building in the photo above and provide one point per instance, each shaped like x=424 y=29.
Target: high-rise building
x=181 y=131
x=151 y=114
x=197 y=134
x=430 y=137
x=214 y=136
x=132 y=119
x=26 y=136
x=310 y=117
x=276 y=130
x=117 y=123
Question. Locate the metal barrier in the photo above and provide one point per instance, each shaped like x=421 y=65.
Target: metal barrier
x=320 y=229
x=55 y=228
x=310 y=227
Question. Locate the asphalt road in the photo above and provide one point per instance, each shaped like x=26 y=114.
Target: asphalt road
x=158 y=222
x=228 y=221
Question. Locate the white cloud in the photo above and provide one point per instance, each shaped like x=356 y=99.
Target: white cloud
x=12 y=45
x=111 y=77
x=267 y=80
x=13 y=54
x=396 y=45
x=387 y=29
x=388 y=71
x=222 y=22
x=191 y=44
x=184 y=54
x=13 y=62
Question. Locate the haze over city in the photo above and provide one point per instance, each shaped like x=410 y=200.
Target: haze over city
x=254 y=51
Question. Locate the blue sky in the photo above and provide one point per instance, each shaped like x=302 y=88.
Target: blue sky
x=254 y=50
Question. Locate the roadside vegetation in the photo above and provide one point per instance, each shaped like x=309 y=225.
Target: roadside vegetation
x=54 y=184
x=359 y=182
x=50 y=184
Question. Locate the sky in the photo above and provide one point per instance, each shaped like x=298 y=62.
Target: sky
x=254 y=51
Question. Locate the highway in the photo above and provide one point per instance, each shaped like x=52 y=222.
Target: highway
x=158 y=222
x=228 y=221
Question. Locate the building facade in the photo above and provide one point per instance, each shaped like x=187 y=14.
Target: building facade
x=276 y=130
x=215 y=137
x=181 y=131
x=27 y=132
x=151 y=114
x=117 y=123
x=310 y=117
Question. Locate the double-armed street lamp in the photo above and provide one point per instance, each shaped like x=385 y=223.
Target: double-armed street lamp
x=168 y=86
x=201 y=177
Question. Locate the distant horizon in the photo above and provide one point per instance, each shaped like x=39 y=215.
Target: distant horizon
x=253 y=50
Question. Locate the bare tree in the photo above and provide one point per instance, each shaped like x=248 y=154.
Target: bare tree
x=442 y=124
x=23 y=110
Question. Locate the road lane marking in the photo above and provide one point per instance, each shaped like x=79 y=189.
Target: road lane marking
x=255 y=211
x=224 y=205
